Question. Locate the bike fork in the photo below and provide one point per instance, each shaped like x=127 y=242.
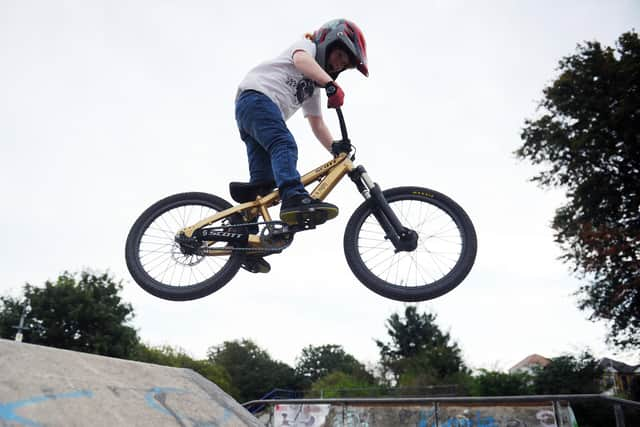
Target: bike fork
x=403 y=238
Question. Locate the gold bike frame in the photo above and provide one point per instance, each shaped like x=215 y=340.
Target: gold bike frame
x=328 y=175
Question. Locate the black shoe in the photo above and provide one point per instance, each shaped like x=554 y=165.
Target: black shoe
x=256 y=264
x=304 y=209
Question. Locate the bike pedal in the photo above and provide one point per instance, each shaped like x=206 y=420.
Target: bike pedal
x=256 y=265
x=309 y=220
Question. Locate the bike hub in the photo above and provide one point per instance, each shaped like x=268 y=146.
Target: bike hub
x=408 y=241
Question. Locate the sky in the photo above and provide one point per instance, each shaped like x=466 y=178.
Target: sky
x=109 y=106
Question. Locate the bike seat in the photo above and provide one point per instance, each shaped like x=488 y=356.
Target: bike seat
x=243 y=192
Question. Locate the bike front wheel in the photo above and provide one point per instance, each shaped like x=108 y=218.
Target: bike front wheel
x=161 y=266
x=444 y=256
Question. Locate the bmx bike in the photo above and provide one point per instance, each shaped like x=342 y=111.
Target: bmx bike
x=406 y=243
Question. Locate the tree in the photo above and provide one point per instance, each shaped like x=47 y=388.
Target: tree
x=340 y=384
x=76 y=312
x=568 y=375
x=253 y=373
x=419 y=353
x=589 y=137
x=10 y=311
x=316 y=362
x=578 y=374
x=493 y=383
x=169 y=356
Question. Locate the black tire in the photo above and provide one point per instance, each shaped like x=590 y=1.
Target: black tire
x=154 y=258
x=412 y=276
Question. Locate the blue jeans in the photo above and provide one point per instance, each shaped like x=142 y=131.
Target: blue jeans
x=271 y=148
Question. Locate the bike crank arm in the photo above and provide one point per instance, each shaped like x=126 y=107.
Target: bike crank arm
x=403 y=238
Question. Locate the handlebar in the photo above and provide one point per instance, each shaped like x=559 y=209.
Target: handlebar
x=344 y=145
x=343 y=126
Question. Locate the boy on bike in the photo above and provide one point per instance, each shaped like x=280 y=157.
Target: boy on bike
x=274 y=90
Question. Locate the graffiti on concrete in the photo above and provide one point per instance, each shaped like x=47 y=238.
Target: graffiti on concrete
x=467 y=420
x=350 y=416
x=546 y=418
x=155 y=398
x=8 y=414
x=300 y=415
x=497 y=416
x=420 y=416
x=365 y=416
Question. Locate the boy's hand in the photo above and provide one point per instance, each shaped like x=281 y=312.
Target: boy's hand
x=335 y=95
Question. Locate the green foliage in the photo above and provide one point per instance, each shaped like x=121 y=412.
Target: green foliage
x=589 y=137
x=420 y=377
x=10 y=311
x=568 y=375
x=340 y=384
x=316 y=362
x=170 y=356
x=76 y=312
x=419 y=352
x=575 y=375
x=252 y=371
x=493 y=383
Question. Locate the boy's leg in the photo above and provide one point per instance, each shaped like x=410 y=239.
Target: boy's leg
x=260 y=118
x=263 y=121
x=260 y=169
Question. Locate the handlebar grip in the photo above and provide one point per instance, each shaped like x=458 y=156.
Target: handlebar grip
x=343 y=126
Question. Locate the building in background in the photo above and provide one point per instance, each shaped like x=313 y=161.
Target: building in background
x=619 y=378
x=528 y=364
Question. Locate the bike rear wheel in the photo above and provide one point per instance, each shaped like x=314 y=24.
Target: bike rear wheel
x=160 y=265
x=446 y=249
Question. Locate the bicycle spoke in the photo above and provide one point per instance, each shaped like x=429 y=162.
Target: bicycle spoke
x=439 y=245
x=162 y=258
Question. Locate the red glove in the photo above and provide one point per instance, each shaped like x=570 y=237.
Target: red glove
x=335 y=95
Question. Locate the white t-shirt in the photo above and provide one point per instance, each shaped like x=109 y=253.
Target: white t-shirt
x=287 y=87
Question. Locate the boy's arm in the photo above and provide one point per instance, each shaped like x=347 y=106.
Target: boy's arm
x=321 y=131
x=308 y=66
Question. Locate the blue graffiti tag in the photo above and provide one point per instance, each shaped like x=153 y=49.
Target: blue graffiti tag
x=463 y=421
x=152 y=398
x=425 y=417
x=152 y=401
x=7 y=410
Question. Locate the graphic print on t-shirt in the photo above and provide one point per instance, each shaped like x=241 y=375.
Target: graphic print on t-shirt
x=303 y=88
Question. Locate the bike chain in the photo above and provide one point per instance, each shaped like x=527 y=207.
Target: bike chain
x=263 y=235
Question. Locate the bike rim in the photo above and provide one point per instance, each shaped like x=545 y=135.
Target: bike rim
x=440 y=245
x=161 y=258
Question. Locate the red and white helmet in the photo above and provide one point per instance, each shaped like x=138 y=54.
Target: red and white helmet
x=348 y=36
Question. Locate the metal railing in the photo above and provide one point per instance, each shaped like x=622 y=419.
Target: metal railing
x=278 y=394
x=616 y=402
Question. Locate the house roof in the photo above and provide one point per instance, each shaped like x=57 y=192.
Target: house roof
x=623 y=368
x=534 y=359
x=604 y=364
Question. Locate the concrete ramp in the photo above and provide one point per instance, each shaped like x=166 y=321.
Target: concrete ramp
x=43 y=386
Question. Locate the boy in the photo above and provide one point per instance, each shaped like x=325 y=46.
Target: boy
x=274 y=90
